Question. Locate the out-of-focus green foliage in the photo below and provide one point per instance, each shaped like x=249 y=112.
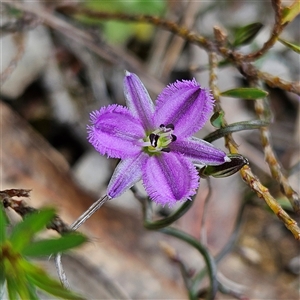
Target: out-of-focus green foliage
x=244 y=35
x=23 y=232
x=22 y=277
x=48 y=247
x=119 y=32
x=289 y=13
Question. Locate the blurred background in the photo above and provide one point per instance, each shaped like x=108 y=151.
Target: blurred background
x=56 y=68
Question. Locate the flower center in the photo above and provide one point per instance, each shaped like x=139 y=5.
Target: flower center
x=159 y=139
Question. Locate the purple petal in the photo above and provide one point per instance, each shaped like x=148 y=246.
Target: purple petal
x=115 y=132
x=169 y=177
x=199 y=151
x=126 y=174
x=185 y=105
x=138 y=100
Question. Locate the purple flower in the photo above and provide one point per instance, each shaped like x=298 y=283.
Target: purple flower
x=154 y=143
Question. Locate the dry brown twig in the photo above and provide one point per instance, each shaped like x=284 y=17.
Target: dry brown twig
x=275 y=32
x=17 y=29
x=246 y=172
x=175 y=46
x=245 y=67
x=19 y=39
x=274 y=165
x=22 y=209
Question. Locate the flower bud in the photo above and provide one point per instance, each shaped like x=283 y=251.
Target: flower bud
x=237 y=161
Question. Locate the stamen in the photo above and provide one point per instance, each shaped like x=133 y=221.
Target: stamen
x=159 y=139
x=165 y=134
x=157 y=131
x=144 y=144
x=171 y=126
x=153 y=139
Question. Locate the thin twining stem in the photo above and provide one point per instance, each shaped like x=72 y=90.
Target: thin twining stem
x=275 y=81
x=274 y=165
x=239 y=59
x=203 y=234
x=276 y=30
x=82 y=219
x=147 y=212
x=209 y=260
x=245 y=68
x=246 y=172
x=264 y=193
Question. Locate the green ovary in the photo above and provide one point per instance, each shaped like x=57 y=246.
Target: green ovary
x=159 y=140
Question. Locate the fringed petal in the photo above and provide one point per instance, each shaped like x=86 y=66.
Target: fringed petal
x=199 y=151
x=185 y=105
x=169 y=178
x=138 y=100
x=115 y=132
x=127 y=173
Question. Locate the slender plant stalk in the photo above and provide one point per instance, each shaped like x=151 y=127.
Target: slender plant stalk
x=209 y=261
x=83 y=218
x=274 y=165
x=246 y=172
x=277 y=29
x=263 y=193
x=275 y=81
x=241 y=61
x=243 y=66
x=19 y=40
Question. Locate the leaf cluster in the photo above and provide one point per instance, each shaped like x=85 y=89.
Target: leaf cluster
x=18 y=275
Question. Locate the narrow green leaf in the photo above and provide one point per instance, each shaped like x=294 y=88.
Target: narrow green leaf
x=245 y=93
x=39 y=278
x=53 y=246
x=12 y=288
x=22 y=284
x=244 y=35
x=31 y=290
x=33 y=223
x=3 y=224
x=217 y=119
x=234 y=127
x=291 y=12
x=26 y=289
x=17 y=286
x=2 y=276
x=293 y=47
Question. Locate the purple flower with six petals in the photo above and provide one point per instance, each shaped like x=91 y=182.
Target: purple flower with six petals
x=154 y=143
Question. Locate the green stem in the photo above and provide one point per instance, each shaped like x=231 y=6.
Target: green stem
x=168 y=220
x=228 y=247
x=209 y=261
